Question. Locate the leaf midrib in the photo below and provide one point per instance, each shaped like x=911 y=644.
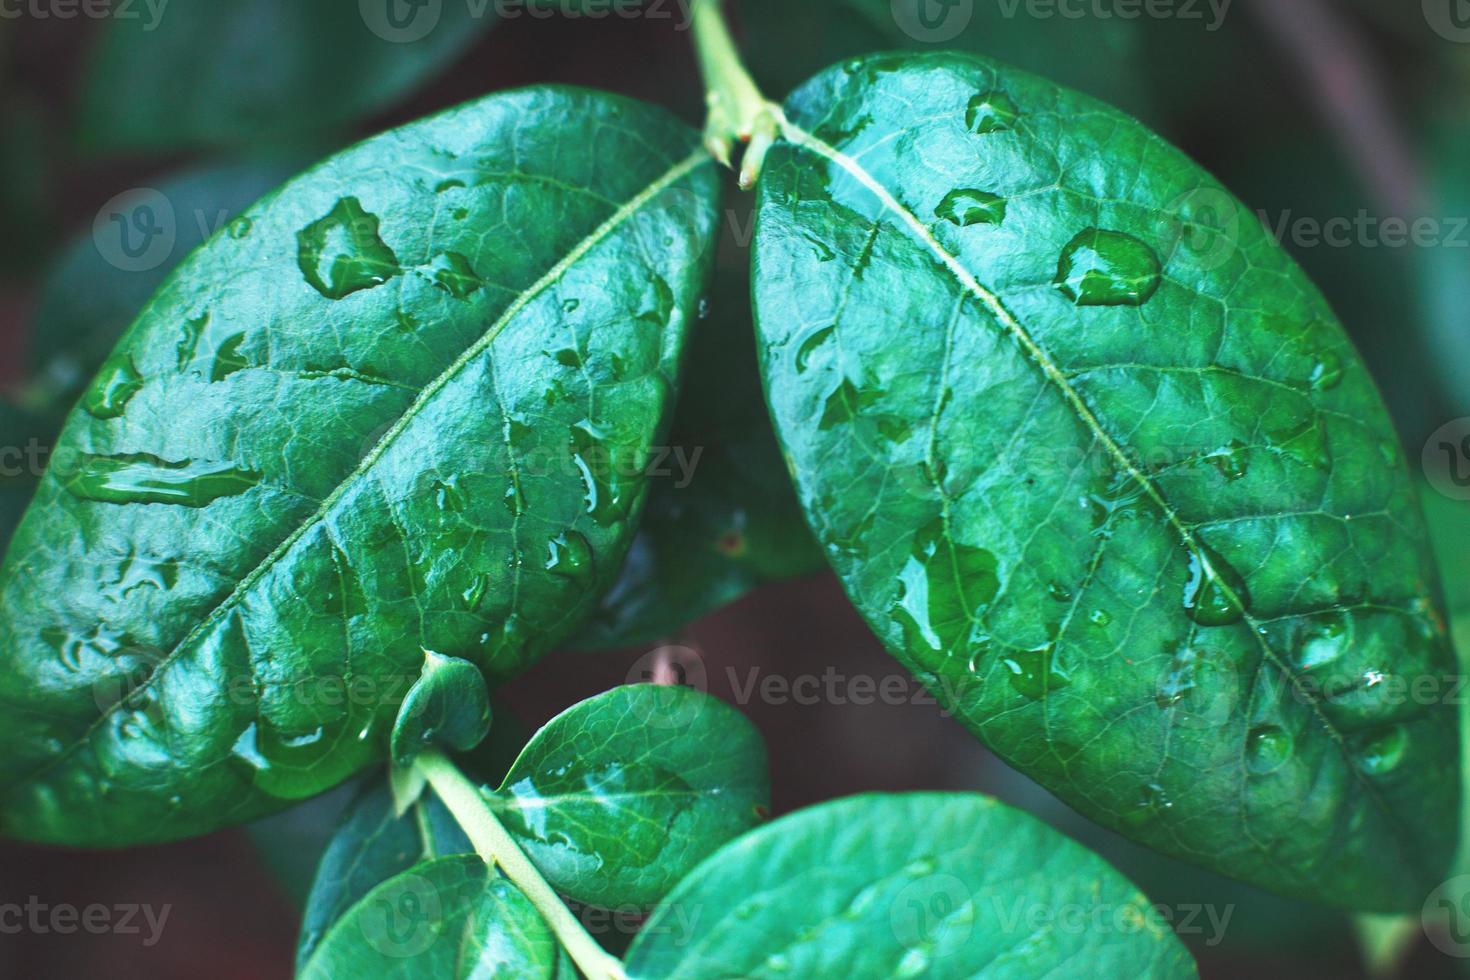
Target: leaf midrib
x=630 y=208
x=1038 y=355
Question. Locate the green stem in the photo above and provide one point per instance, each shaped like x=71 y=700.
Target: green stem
x=738 y=112
x=494 y=844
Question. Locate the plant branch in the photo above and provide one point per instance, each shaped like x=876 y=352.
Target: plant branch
x=494 y=844
x=738 y=112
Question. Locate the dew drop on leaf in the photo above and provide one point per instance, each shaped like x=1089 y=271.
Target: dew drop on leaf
x=1323 y=641
x=144 y=479
x=239 y=227
x=115 y=386
x=1108 y=268
x=944 y=589
x=228 y=359
x=570 y=556
x=814 y=342
x=1267 y=748
x=1382 y=751
x=341 y=253
x=1179 y=681
x=1327 y=372
x=453 y=273
x=965 y=207
x=1033 y=672
x=1214 y=594
x=991 y=112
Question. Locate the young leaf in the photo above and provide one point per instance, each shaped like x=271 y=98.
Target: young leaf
x=448 y=705
x=934 y=884
x=405 y=402
x=449 y=917
x=1095 y=460
x=724 y=519
x=618 y=797
x=262 y=70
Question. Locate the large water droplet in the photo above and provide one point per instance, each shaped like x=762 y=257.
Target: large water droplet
x=1382 y=751
x=944 y=589
x=965 y=207
x=143 y=479
x=341 y=253
x=1034 y=673
x=296 y=763
x=570 y=556
x=814 y=342
x=453 y=273
x=991 y=112
x=115 y=386
x=1108 y=268
x=596 y=460
x=1323 y=641
x=1214 y=594
x=1267 y=748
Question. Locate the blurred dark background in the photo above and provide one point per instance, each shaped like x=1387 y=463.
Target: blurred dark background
x=1313 y=111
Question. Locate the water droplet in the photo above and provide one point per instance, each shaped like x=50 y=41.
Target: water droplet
x=296 y=763
x=658 y=303
x=965 y=207
x=143 y=479
x=115 y=386
x=1033 y=673
x=1059 y=592
x=447 y=496
x=341 y=253
x=991 y=112
x=228 y=360
x=453 y=273
x=944 y=589
x=570 y=556
x=814 y=342
x=1305 y=443
x=74 y=647
x=1324 y=640
x=474 y=595
x=450 y=184
x=1231 y=461
x=571 y=305
x=1108 y=268
x=1382 y=751
x=1179 y=681
x=1099 y=618
x=1214 y=594
x=598 y=465
x=1153 y=800
x=915 y=963
x=1267 y=748
x=189 y=342
x=240 y=227
x=1327 y=372
x=515 y=500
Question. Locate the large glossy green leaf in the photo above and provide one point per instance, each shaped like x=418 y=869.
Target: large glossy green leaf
x=405 y=402
x=204 y=73
x=722 y=519
x=449 y=917
x=1096 y=461
x=618 y=797
x=935 y=885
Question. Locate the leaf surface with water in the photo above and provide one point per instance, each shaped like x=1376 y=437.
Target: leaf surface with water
x=1096 y=461
x=405 y=402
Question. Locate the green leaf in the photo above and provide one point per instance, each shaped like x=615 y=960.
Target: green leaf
x=618 y=797
x=1105 y=57
x=98 y=285
x=449 y=917
x=448 y=706
x=723 y=520
x=1107 y=476
x=935 y=885
x=205 y=73
x=219 y=597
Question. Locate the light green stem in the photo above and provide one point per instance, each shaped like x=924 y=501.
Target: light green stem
x=494 y=844
x=738 y=112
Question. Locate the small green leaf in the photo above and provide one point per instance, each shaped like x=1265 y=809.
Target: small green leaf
x=448 y=706
x=923 y=885
x=262 y=70
x=618 y=797
x=1146 y=529
x=722 y=518
x=215 y=604
x=447 y=917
